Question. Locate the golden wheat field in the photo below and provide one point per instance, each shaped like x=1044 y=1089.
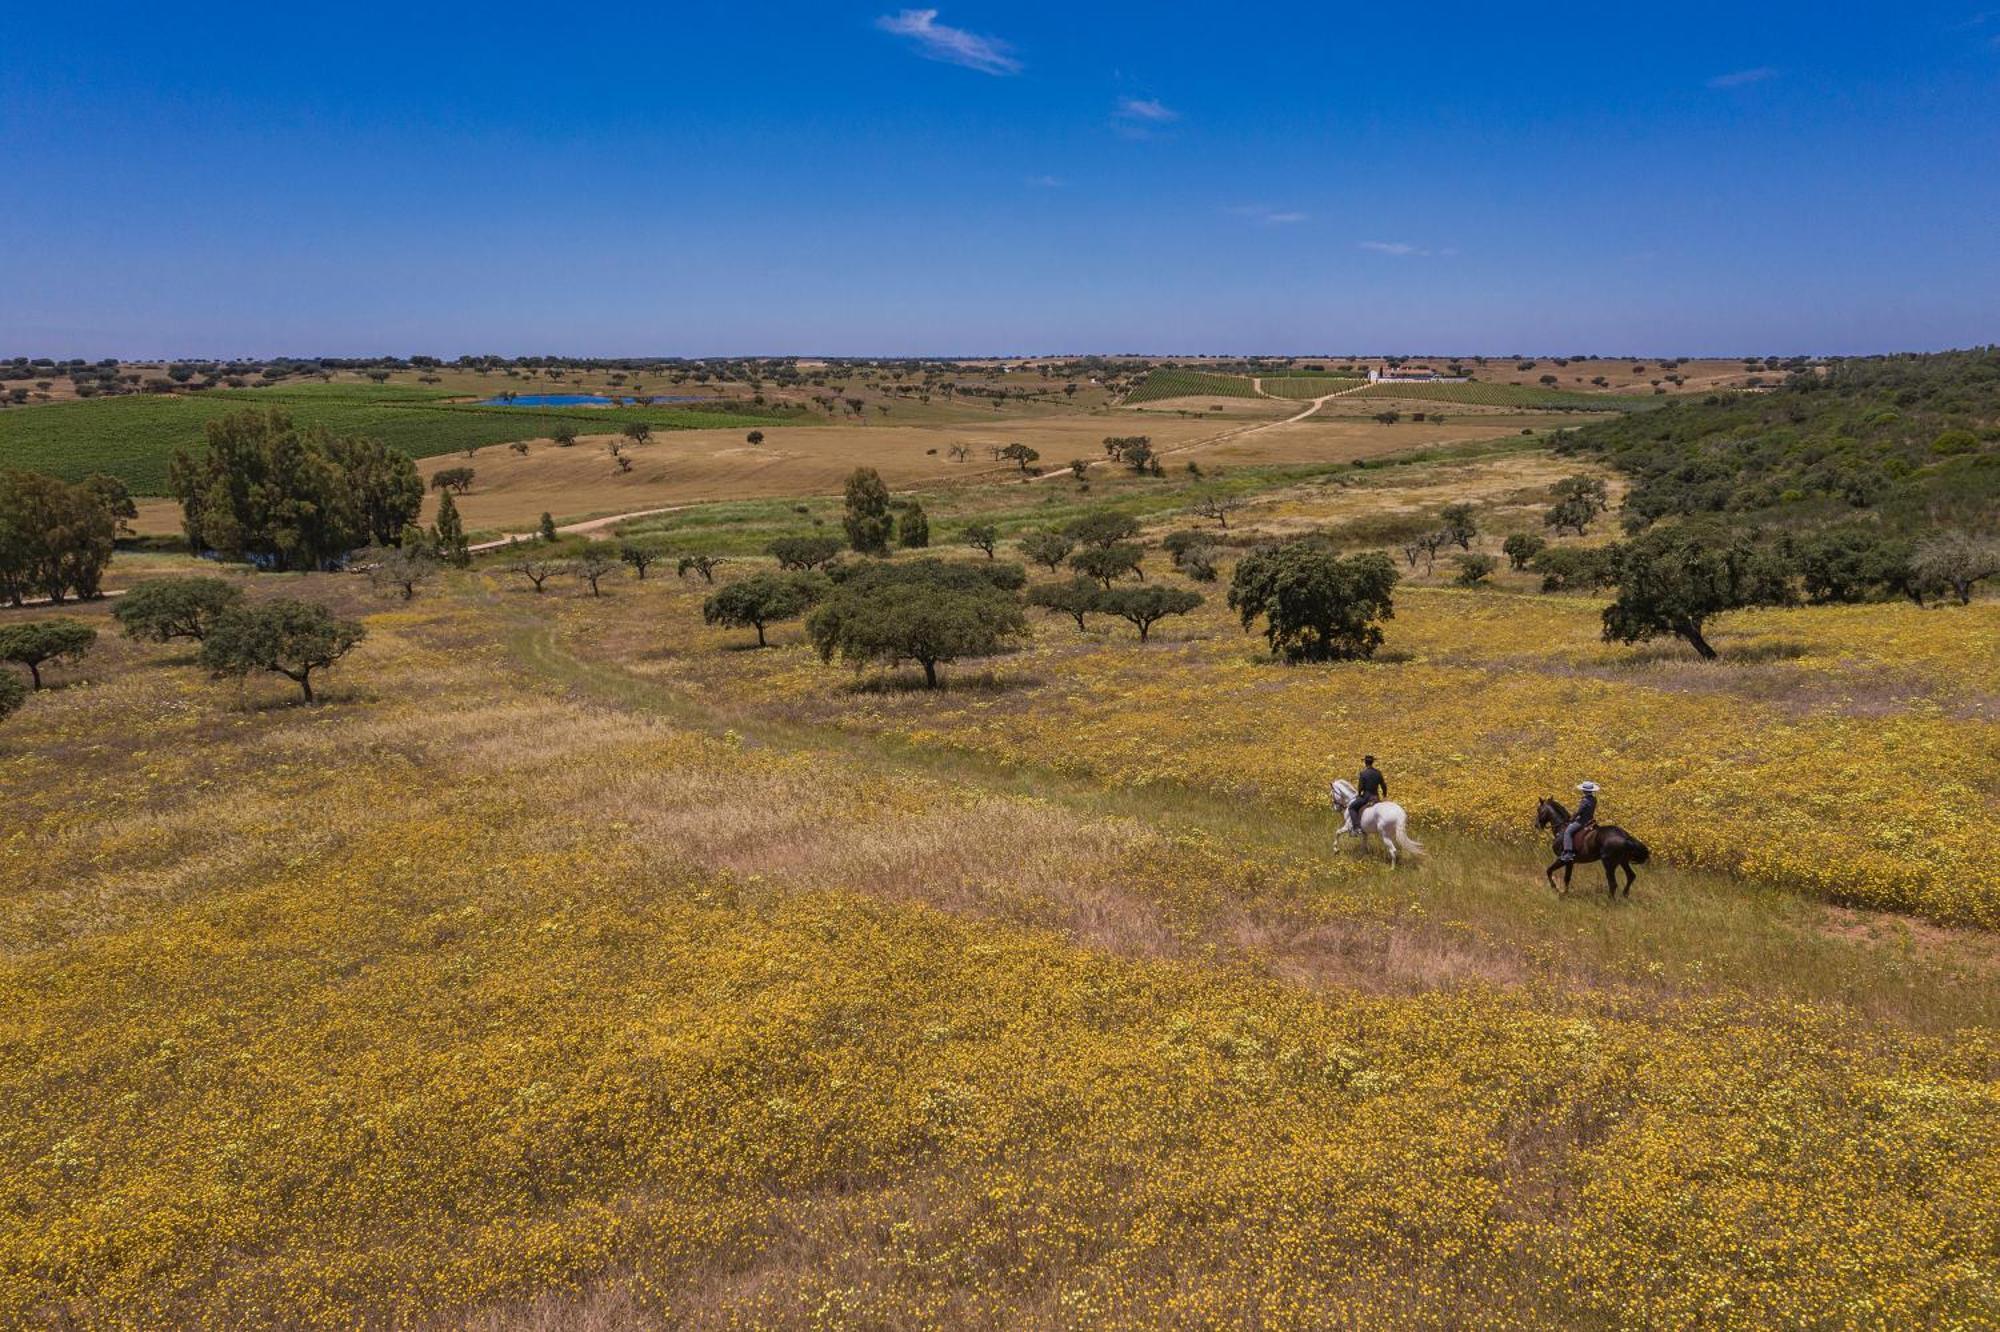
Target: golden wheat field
x=572 y=967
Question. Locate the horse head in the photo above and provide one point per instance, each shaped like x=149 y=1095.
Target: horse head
x=1550 y=814
x=1343 y=793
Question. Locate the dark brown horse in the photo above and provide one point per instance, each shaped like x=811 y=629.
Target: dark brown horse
x=1618 y=849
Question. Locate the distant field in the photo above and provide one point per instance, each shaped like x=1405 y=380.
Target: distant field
x=1189 y=384
x=1307 y=386
x=133 y=438
x=1512 y=395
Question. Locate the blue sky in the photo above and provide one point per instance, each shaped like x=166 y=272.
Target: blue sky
x=710 y=179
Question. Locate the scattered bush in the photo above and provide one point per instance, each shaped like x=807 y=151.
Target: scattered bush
x=289 y=638
x=1317 y=606
x=39 y=643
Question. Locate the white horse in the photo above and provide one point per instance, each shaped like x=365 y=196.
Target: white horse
x=1384 y=818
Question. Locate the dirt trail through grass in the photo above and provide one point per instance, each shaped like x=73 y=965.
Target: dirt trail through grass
x=1467 y=911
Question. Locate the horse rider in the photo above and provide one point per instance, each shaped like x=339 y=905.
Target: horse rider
x=1371 y=787
x=1586 y=814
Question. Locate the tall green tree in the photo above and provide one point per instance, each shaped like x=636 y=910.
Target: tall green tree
x=289 y=497
x=55 y=538
x=448 y=534
x=1316 y=605
x=913 y=528
x=868 y=519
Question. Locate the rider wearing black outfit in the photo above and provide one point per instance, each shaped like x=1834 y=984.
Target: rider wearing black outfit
x=1372 y=786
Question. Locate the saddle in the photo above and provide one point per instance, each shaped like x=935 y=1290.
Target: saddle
x=1586 y=840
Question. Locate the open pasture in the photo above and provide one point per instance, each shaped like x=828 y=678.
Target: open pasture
x=652 y=982
x=1486 y=394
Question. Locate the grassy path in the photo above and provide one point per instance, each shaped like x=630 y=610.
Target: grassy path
x=1468 y=912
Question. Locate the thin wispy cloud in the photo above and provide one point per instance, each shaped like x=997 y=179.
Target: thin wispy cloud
x=1146 y=109
x=954 y=46
x=1400 y=249
x=1045 y=182
x=1270 y=217
x=1743 y=78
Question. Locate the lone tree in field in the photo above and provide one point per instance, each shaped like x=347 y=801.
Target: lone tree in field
x=162 y=609
x=1021 y=455
x=1107 y=564
x=290 y=638
x=1578 y=501
x=12 y=692
x=1076 y=598
x=639 y=432
x=705 y=565
x=1080 y=469
x=404 y=568
x=595 y=560
x=563 y=436
x=762 y=599
x=42 y=642
x=1473 y=570
x=1316 y=605
x=1955 y=560
x=639 y=555
x=1218 y=507
x=754 y=438
x=452 y=479
x=1146 y=606
x=805 y=552
x=1458 y=526
x=546 y=529
x=1521 y=548
x=982 y=536
x=448 y=534
x=536 y=569
x=913 y=529
x=1674 y=580
x=1047 y=548
x=868 y=521
x=927 y=612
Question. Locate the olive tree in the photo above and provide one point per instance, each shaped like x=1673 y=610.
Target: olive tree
x=537 y=569
x=762 y=599
x=698 y=563
x=39 y=643
x=982 y=536
x=805 y=552
x=1316 y=605
x=1075 y=598
x=1048 y=548
x=1146 y=606
x=596 y=559
x=287 y=637
x=404 y=568
x=639 y=555
x=928 y=612
x=1458 y=526
x=162 y=609
x=1107 y=564
x=1674 y=580
x=1522 y=547
x=1956 y=560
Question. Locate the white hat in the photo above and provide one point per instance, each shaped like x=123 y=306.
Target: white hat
x=1586 y=786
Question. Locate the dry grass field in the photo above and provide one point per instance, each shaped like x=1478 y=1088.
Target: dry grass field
x=572 y=966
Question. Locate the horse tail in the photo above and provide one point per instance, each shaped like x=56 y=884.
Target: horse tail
x=1404 y=840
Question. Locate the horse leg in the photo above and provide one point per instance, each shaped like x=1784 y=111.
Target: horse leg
x=1629 y=876
x=1611 y=880
x=1550 y=874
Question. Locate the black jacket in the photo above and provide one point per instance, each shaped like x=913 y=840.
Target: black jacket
x=1372 y=783
x=1587 y=811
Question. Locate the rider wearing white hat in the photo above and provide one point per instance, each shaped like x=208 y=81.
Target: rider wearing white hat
x=1586 y=812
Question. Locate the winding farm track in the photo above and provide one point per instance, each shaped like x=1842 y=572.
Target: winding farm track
x=593 y=525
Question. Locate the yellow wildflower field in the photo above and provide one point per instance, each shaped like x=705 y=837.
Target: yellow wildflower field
x=485 y=995
x=1851 y=752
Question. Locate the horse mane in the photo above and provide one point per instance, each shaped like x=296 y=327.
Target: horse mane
x=1561 y=810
